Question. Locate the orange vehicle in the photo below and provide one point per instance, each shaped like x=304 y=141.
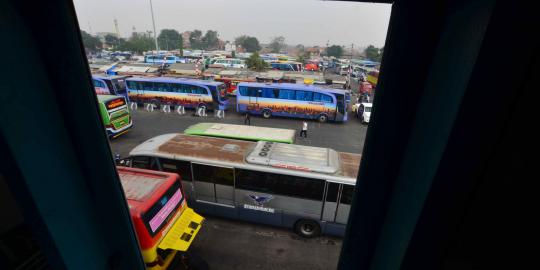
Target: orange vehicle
x=311 y=67
x=231 y=83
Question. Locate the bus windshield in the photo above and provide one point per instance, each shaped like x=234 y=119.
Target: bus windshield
x=119 y=85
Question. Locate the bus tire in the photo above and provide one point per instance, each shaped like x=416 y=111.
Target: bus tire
x=266 y=113
x=307 y=228
x=322 y=118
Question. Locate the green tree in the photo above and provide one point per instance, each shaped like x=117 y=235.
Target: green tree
x=251 y=44
x=112 y=40
x=138 y=44
x=210 y=40
x=170 y=39
x=334 y=50
x=91 y=43
x=303 y=57
x=256 y=63
x=277 y=44
x=195 y=39
x=372 y=53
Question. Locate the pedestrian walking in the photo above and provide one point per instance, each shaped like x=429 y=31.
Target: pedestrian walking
x=303 y=132
x=247 y=119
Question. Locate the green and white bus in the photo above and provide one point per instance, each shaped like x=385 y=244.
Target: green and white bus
x=115 y=115
x=242 y=132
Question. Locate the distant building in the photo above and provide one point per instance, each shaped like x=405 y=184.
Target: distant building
x=229 y=46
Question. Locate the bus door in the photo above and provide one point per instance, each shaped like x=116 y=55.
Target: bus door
x=331 y=202
x=182 y=168
x=213 y=184
x=341 y=108
x=337 y=203
x=344 y=205
x=254 y=94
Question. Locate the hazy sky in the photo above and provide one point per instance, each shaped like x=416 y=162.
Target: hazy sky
x=307 y=22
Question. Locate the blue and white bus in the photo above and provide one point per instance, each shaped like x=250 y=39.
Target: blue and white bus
x=178 y=92
x=162 y=59
x=292 y=100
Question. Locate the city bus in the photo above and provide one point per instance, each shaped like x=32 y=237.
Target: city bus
x=292 y=100
x=110 y=85
x=162 y=59
x=308 y=189
x=163 y=221
x=230 y=63
x=242 y=132
x=114 y=114
x=178 y=92
x=286 y=66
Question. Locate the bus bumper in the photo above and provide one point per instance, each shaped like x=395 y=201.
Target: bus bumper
x=115 y=133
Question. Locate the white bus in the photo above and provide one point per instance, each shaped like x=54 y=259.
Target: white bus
x=230 y=63
x=306 y=188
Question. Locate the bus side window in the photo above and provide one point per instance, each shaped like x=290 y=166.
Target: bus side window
x=332 y=192
x=147 y=86
x=212 y=174
x=268 y=93
x=161 y=87
x=182 y=168
x=286 y=94
x=98 y=83
x=327 y=98
x=132 y=85
x=243 y=91
x=140 y=162
x=347 y=194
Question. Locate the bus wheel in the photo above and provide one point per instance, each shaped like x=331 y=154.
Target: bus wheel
x=267 y=114
x=307 y=228
x=322 y=118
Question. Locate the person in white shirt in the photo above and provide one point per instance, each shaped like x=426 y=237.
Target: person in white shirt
x=304 y=130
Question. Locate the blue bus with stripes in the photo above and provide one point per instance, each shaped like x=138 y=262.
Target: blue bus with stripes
x=188 y=93
x=292 y=100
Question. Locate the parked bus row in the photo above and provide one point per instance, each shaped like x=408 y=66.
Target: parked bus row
x=266 y=99
x=309 y=189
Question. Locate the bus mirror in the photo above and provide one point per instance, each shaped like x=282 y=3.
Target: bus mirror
x=126 y=162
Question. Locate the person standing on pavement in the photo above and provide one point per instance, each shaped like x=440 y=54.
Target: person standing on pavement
x=303 y=132
x=247 y=119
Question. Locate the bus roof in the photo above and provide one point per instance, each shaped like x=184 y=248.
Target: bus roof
x=242 y=132
x=104 y=76
x=299 y=160
x=293 y=86
x=103 y=98
x=175 y=79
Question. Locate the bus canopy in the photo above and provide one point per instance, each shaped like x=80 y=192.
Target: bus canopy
x=242 y=132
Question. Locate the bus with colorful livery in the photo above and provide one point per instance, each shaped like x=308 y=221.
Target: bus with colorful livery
x=110 y=85
x=242 y=132
x=308 y=189
x=114 y=114
x=163 y=221
x=188 y=93
x=292 y=100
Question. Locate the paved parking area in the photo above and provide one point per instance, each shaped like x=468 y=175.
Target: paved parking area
x=227 y=244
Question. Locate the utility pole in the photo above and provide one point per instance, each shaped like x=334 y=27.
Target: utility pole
x=154 y=24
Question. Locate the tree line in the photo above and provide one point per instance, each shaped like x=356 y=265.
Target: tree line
x=170 y=39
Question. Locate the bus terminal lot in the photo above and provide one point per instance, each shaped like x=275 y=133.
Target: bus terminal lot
x=230 y=244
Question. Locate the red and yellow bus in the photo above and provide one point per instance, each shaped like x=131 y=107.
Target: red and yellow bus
x=164 y=224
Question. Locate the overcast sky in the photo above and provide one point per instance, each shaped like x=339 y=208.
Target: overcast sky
x=307 y=22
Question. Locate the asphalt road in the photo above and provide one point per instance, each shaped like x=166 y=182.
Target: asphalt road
x=227 y=244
